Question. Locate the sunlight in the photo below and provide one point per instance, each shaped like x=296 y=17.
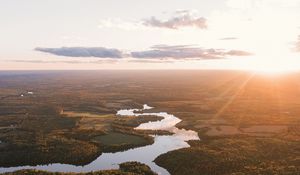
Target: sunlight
x=229 y=102
x=272 y=71
x=274 y=68
x=274 y=64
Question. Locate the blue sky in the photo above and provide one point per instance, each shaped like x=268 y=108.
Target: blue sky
x=143 y=34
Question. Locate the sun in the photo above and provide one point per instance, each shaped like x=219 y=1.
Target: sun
x=274 y=69
x=274 y=65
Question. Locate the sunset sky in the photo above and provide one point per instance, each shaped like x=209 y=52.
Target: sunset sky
x=150 y=34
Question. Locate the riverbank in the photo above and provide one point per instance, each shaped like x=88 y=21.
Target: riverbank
x=127 y=168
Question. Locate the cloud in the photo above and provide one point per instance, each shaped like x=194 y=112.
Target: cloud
x=101 y=61
x=182 y=18
x=154 y=54
x=298 y=44
x=150 y=61
x=120 y=24
x=254 y=4
x=229 y=38
x=238 y=53
x=186 y=52
x=100 y=52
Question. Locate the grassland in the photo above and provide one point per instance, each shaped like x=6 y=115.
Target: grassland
x=248 y=124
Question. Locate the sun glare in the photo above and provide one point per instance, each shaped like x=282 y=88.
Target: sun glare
x=272 y=71
x=274 y=68
x=274 y=65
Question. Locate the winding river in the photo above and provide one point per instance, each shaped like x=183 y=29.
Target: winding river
x=146 y=154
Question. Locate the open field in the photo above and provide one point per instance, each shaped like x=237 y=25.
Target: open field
x=248 y=123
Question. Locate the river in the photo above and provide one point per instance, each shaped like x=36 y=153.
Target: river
x=146 y=154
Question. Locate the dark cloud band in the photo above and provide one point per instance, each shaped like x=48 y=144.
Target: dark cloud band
x=186 y=52
x=177 y=52
x=99 y=52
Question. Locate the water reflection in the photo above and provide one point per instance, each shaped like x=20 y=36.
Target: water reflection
x=145 y=154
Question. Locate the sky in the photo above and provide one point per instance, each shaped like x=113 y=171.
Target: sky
x=142 y=34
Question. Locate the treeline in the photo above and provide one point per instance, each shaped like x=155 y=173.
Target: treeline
x=234 y=156
x=127 y=168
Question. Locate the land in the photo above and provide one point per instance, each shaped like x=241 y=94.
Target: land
x=62 y=123
x=127 y=168
x=248 y=123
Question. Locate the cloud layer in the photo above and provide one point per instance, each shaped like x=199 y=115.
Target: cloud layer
x=100 y=52
x=157 y=52
x=182 y=18
x=185 y=52
x=98 y=61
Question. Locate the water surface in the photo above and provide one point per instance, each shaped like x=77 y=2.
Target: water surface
x=146 y=154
